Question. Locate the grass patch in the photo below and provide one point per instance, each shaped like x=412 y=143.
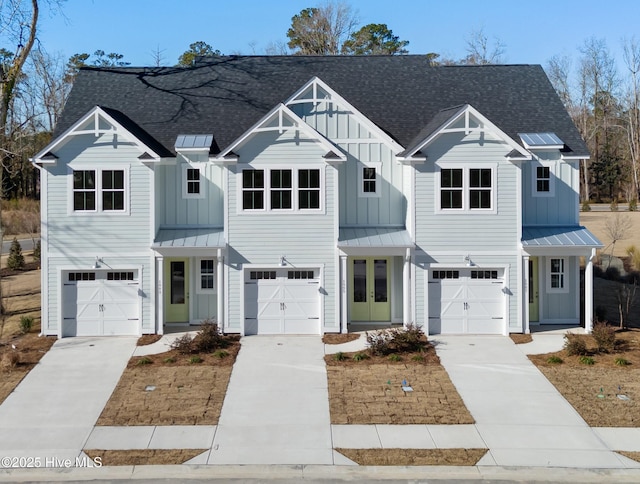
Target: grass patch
x=520 y=339
x=554 y=360
x=414 y=457
x=339 y=338
x=586 y=360
x=621 y=362
x=141 y=457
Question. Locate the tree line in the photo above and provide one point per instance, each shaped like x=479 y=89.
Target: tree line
x=603 y=102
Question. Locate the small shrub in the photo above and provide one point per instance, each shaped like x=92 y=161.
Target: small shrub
x=36 y=251
x=586 y=207
x=339 y=356
x=184 y=345
x=195 y=359
x=220 y=354
x=16 y=259
x=144 y=361
x=604 y=336
x=209 y=338
x=574 y=345
x=614 y=205
x=9 y=360
x=417 y=358
x=396 y=340
x=633 y=205
x=360 y=356
x=622 y=362
x=26 y=323
x=169 y=359
x=554 y=360
x=394 y=357
x=586 y=360
x=612 y=273
x=634 y=256
x=379 y=342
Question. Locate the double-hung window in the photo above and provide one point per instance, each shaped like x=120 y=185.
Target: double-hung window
x=192 y=181
x=279 y=190
x=557 y=275
x=543 y=185
x=466 y=189
x=369 y=179
x=206 y=276
x=99 y=191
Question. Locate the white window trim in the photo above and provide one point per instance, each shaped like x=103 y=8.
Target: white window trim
x=99 y=209
x=565 y=279
x=466 y=188
x=193 y=166
x=295 y=209
x=534 y=179
x=369 y=164
x=198 y=271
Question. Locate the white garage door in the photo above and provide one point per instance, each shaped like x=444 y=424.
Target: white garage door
x=97 y=303
x=282 y=301
x=466 y=301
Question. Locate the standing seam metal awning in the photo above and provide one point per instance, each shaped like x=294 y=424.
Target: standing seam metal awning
x=558 y=236
x=189 y=238
x=374 y=237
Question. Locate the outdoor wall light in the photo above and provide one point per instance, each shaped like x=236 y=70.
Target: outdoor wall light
x=283 y=260
x=468 y=260
x=96 y=264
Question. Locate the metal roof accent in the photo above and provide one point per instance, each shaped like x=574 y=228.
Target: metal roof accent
x=541 y=140
x=374 y=237
x=193 y=141
x=558 y=236
x=189 y=238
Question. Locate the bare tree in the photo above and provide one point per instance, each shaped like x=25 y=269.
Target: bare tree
x=631 y=55
x=158 y=56
x=482 y=50
x=617 y=228
x=321 y=30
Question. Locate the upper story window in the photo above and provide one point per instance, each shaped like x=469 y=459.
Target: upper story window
x=557 y=275
x=282 y=189
x=99 y=191
x=369 y=180
x=542 y=176
x=466 y=189
x=192 y=186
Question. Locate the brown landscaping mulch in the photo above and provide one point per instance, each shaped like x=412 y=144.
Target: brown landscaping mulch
x=631 y=455
x=339 y=338
x=414 y=457
x=141 y=457
x=184 y=393
x=370 y=391
x=519 y=339
x=148 y=339
x=593 y=389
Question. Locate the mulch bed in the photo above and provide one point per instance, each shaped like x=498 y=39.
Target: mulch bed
x=631 y=455
x=519 y=339
x=141 y=457
x=148 y=339
x=414 y=457
x=339 y=338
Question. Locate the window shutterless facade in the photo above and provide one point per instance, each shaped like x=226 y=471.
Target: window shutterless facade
x=464 y=189
x=282 y=190
x=99 y=191
x=369 y=179
x=542 y=177
x=557 y=280
x=206 y=276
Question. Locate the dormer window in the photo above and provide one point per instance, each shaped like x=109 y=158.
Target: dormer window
x=542 y=179
x=192 y=186
x=369 y=179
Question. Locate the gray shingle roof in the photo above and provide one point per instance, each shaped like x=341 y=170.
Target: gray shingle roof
x=401 y=94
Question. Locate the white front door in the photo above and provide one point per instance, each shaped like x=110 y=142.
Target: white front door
x=97 y=303
x=466 y=301
x=282 y=301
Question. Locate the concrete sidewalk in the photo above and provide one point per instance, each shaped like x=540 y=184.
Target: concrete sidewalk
x=276 y=410
x=519 y=414
x=53 y=410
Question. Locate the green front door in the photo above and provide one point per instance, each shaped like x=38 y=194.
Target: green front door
x=176 y=292
x=370 y=289
x=533 y=290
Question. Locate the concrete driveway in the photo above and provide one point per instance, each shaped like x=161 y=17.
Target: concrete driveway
x=53 y=410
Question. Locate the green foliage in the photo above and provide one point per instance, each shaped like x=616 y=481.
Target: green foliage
x=574 y=344
x=100 y=59
x=604 y=336
x=16 y=259
x=26 y=323
x=554 y=360
x=374 y=39
x=197 y=49
x=36 y=251
x=417 y=358
x=339 y=356
x=195 y=359
x=586 y=206
x=169 y=359
x=633 y=205
x=622 y=362
x=360 y=357
x=587 y=360
x=144 y=361
x=394 y=357
x=220 y=354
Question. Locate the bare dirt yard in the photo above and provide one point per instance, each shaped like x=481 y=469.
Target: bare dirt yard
x=596 y=222
x=414 y=457
x=603 y=387
x=141 y=457
x=172 y=389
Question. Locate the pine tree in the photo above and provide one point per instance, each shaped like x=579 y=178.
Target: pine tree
x=16 y=259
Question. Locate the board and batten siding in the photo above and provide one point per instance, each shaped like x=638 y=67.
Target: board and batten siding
x=119 y=239
x=362 y=148
x=559 y=306
x=305 y=239
x=173 y=209
x=543 y=210
x=490 y=239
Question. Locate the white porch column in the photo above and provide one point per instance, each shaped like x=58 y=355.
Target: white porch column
x=588 y=292
x=220 y=294
x=344 y=300
x=160 y=295
x=406 y=288
x=526 y=294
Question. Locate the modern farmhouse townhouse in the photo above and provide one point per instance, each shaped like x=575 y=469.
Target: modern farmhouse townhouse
x=310 y=195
